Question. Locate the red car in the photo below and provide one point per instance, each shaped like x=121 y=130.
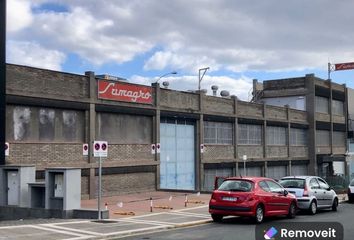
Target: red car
x=255 y=197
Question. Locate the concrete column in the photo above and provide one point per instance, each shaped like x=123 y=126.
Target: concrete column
x=289 y=169
x=310 y=108
x=330 y=116
x=288 y=129
x=156 y=129
x=199 y=173
x=264 y=131
x=236 y=173
x=92 y=131
x=265 y=170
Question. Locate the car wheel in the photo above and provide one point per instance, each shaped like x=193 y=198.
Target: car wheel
x=351 y=199
x=292 y=210
x=335 y=205
x=313 y=208
x=216 y=217
x=259 y=214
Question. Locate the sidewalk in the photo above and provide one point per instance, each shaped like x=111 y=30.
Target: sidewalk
x=137 y=204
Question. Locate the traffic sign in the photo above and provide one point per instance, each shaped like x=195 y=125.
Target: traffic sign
x=85 y=149
x=7 y=149
x=202 y=148
x=158 y=148
x=153 y=148
x=100 y=149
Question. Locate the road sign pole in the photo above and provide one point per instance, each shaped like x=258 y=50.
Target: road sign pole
x=99 y=188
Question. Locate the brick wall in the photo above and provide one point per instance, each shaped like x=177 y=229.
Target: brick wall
x=127 y=183
x=180 y=100
x=250 y=151
x=218 y=105
x=85 y=187
x=214 y=152
x=249 y=109
x=127 y=153
x=41 y=82
x=46 y=155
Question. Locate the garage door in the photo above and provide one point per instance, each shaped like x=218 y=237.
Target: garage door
x=299 y=170
x=276 y=172
x=210 y=174
x=177 y=157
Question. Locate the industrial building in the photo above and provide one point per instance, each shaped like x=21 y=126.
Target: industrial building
x=165 y=139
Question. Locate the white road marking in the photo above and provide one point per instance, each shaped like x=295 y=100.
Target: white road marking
x=72 y=229
x=57 y=231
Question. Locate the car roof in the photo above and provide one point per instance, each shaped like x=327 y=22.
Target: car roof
x=248 y=178
x=299 y=177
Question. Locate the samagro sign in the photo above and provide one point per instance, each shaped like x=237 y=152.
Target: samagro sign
x=343 y=66
x=124 y=92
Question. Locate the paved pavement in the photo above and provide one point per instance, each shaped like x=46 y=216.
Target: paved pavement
x=129 y=215
x=168 y=211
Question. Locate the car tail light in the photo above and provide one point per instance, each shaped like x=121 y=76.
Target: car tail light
x=306 y=193
x=213 y=196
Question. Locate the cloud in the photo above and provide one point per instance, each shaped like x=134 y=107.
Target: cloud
x=238 y=36
x=236 y=86
x=19 y=15
x=32 y=54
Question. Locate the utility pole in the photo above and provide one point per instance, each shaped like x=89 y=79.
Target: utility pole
x=2 y=79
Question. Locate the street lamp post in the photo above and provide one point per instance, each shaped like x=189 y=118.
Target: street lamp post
x=201 y=76
x=166 y=74
x=244 y=158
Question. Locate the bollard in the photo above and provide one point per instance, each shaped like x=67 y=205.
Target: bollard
x=151 y=204
x=185 y=201
x=106 y=206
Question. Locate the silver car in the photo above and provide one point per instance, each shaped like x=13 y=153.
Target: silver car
x=312 y=192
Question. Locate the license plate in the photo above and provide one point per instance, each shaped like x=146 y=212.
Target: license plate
x=231 y=199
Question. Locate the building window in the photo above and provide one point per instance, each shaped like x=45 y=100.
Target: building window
x=249 y=134
x=298 y=137
x=276 y=136
x=217 y=133
x=322 y=104
x=339 y=138
x=322 y=138
x=34 y=124
x=337 y=107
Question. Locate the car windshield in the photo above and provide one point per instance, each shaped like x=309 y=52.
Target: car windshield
x=292 y=183
x=236 y=186
x=352 y=183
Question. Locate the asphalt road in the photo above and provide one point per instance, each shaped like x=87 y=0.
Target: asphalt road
x=239 y=228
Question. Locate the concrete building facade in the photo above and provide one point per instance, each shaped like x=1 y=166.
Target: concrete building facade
x=160 y=138
x=326 y=105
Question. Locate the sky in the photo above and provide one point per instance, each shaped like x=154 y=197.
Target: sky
x=141 y=40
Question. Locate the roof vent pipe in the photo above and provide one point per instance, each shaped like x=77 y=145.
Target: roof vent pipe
x=215 y=89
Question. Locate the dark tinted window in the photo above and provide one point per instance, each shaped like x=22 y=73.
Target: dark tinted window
x=293 y=183
x=236 y=185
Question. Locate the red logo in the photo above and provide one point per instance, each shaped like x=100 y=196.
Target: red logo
x=104 y=146
x=85 y=147
x=6 y=146
x=124 y=92
x=344 y=66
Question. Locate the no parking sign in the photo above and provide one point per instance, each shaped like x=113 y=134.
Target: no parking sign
x=100 y=148
x=7 y=149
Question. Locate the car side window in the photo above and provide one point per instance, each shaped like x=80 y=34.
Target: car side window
x=264 y=186
x=323 y=184
x=274 y=187
x=314 y=184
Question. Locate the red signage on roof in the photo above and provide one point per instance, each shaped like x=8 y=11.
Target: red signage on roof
x=124 y=92
x=344 y=66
